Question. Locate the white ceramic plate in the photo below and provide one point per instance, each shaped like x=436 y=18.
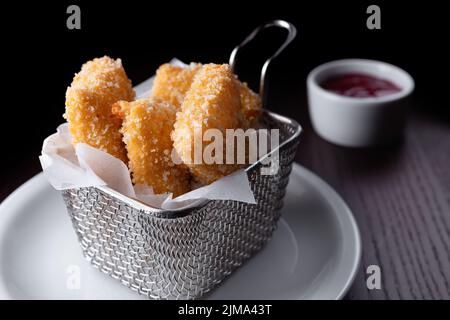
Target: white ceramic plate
x=314 y=254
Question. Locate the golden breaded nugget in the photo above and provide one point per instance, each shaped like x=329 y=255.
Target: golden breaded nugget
x=251 y=105
x=172 y=82
x=146 y=130
x=120 y=109
x=212 y=102
x=100 y=83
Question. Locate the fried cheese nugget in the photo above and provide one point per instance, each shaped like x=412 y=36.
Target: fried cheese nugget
x=172 y=82
x=146 y=130
x=212 y=102
x=100 y=83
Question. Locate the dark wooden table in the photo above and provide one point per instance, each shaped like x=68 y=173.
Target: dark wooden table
x=400 y=196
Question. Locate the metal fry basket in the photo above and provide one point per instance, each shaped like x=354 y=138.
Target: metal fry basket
x=182 y=254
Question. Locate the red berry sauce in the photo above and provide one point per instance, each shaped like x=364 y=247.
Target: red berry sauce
x=359 y=86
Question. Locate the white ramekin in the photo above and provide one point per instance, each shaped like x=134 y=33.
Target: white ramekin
x=358 y=122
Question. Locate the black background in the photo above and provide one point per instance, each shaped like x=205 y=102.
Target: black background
x=41 y=55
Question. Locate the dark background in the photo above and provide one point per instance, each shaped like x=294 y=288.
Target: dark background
x=399 y=195
x=42 y=55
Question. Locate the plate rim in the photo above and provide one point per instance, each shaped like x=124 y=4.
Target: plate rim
x=317 y=182
x=337 y=200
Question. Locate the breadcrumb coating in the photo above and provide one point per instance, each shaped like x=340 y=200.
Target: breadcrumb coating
x=100 y=83
x=251 y=105
x=146 y=130
x=172 y=82
x=120 y=109
x=213 y=101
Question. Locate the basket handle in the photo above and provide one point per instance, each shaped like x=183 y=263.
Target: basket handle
x=292 y=32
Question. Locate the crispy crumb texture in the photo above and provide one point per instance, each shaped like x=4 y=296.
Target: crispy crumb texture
x=172 y=82
x=100 y=83
x=212 y=102
x=185 y=102
x=251 y=105
x=146 y=130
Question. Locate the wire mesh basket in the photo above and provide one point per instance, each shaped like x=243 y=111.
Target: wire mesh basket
x=183 y=254
x=167 y=254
